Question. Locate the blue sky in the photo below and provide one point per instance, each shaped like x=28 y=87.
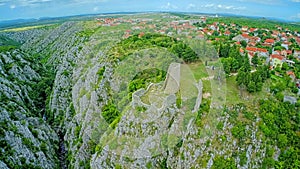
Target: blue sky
x=16 y=9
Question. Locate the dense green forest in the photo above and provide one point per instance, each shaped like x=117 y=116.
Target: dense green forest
x=280 y=124
x=179 y=48
x=7 y=44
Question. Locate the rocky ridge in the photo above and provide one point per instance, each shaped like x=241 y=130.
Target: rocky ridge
x=26 y=140
x=71 y=131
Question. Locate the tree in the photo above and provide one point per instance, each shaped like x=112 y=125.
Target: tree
x=255 y=60
x=110 y=112
x=279 y=48
x=215 y=33
x=246 y=64
x=240 y=79
x=279 y=96
x=264 y=72
x=251 y=87
x=244 y=43
x=285 y=66
x=239 y=130
x=282 y=140
x=277 y=44
x=224 y=50
x=294 y=89
x=256 y=77
x=234 y=65
x=292 y=40
x=226 y=65
x=189 y=55
x=183 y=51
x=222 y=163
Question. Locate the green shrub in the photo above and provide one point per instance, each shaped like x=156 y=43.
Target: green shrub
x=118 y=166
x=28 y=143
x=35 y=133
x=77 y=131
x=101 y=72
x=43 y=147
x=239 y=130
x=110 y=112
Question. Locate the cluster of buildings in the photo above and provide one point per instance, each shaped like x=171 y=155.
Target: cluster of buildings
x=276 y=46
x=117 y=21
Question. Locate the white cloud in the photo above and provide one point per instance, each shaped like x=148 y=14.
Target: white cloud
x=169 y=6
x=12 y=6
x=191 y=6
x=39 y=2
x=223 y=7
x=209 y=5
x=268 y=2
x=87 y=1
x=27 y=2
x=95 y=9
x=297 y=16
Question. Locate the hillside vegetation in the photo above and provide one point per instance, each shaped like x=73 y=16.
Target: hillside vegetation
x=86 y=94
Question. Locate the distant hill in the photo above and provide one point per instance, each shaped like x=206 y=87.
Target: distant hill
x=45 y=20
x=16 y=22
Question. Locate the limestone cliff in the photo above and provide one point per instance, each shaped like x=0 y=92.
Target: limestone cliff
x=72 y=97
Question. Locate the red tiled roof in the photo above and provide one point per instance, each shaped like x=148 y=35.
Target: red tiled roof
x=289 y=52
x=251 y=49
x=251 y=43
x=290 y=73
x=277 y=57
x=269 y=40
x=246 y=35
x=141 y=34
x=266 y=44
x=251 y=54
x=227 y=33
x=262 y=50
x=252 y=29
